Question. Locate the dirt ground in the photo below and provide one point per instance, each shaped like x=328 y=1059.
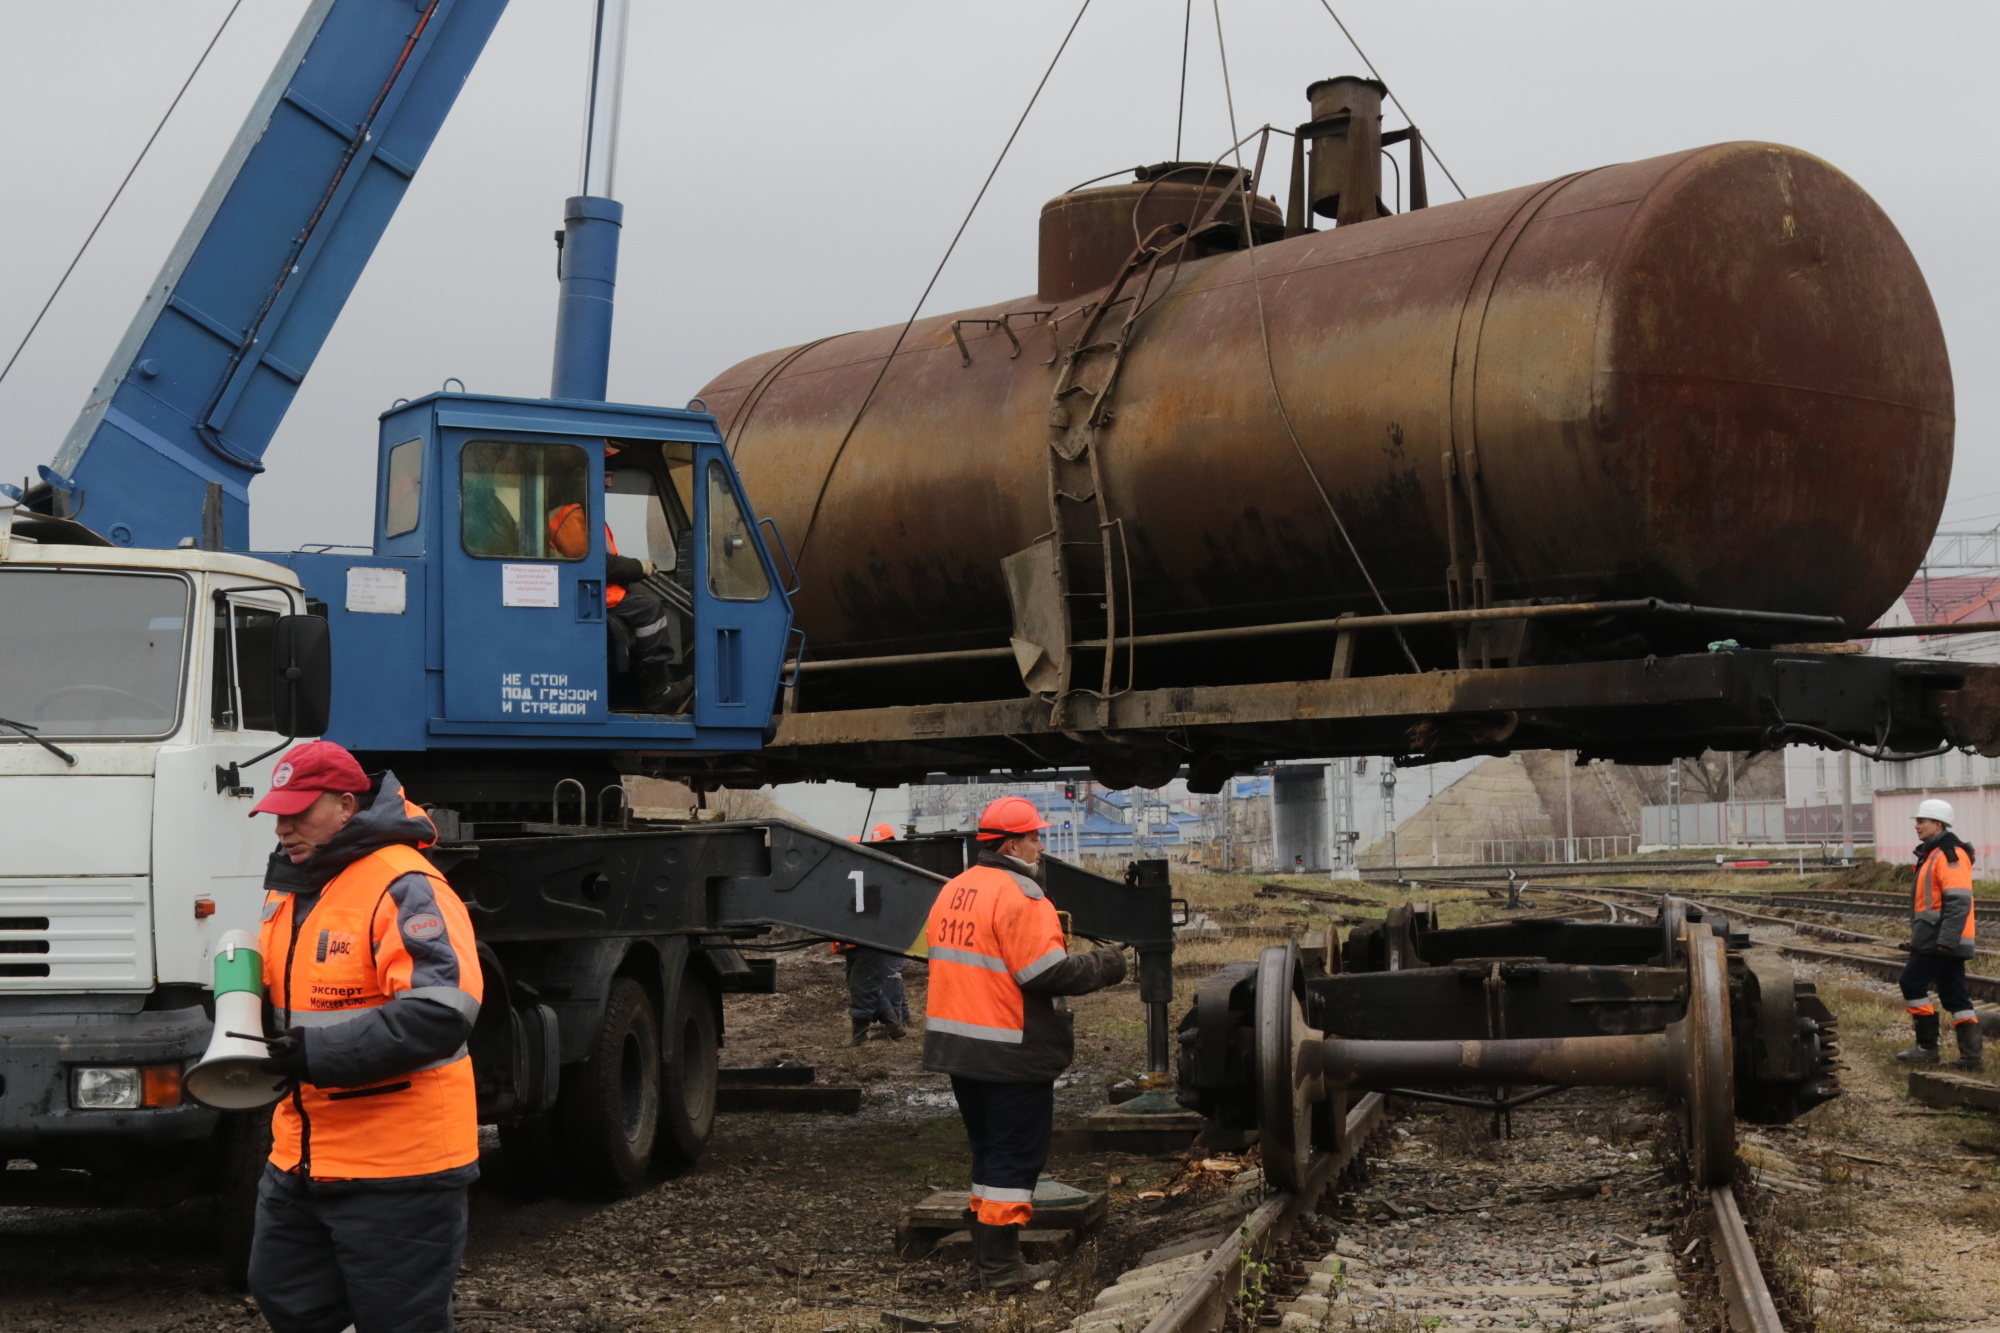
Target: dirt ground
x=1880 y=1214
x=786 y=1224
x=1876 y=1216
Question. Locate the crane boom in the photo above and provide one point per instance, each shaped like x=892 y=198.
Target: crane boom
x=225 y=335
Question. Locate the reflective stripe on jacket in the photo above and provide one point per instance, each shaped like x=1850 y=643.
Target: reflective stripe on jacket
x=382 y=960
x=997 y=964
x=572 y=541
x=1941 y=916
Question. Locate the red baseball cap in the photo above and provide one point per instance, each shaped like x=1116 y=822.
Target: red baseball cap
x=305 y=772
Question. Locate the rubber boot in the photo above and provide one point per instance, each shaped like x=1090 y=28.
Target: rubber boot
x=1925 y=1052
x=997 y=1252
x=893 y=1030
x=861 y=1033
x=1971 y=1044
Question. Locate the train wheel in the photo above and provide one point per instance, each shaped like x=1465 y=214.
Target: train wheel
x=687 y=1100
x=610 y=1106
x=1284 y=1103
x=1702 y=1052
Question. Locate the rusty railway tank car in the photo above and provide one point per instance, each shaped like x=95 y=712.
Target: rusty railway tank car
x=1714 y=377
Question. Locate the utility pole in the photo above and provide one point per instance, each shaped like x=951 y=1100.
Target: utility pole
x=1674 y=805
x=1846 y=807
x=1735 y=831
x=1569 y=809
x=1389 y=813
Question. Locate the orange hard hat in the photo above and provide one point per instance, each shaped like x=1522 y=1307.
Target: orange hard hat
x=881 y=833
x=1009 y=817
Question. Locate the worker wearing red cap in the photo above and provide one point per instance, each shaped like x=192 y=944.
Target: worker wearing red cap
x=373 y=984
x=996 y=1023
x=874 y=979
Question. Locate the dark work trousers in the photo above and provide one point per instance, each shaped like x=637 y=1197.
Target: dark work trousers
x=1942 y=971
x=1010 y=1125
x=381 y=1260
x=645 y=616
x=875 y=987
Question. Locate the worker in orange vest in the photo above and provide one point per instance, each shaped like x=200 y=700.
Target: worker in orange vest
x=1941 y=939
x=637 y=611
x=874 y=979
x=373 y=984
x=996 y=1023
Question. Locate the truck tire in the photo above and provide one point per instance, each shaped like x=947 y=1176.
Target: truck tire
x=610 y=1105
x=242 y=1146
x=687 y=1092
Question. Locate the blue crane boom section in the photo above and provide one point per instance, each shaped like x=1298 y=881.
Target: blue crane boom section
x=436 y=646
x=228 y=331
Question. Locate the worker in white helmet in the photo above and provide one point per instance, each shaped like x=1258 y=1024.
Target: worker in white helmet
x=1941 y=939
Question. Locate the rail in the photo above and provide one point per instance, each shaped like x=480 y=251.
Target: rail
x=1199 y=1304
x=1198 y=1307
x=1744 y=1291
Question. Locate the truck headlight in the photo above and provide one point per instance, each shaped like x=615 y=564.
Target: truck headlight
x=114 y=1089
x=125 y=1087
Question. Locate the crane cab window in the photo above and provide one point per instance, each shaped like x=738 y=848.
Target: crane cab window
x=735 y=569
x=513 y=496
x=644 y=508
x=405 y=488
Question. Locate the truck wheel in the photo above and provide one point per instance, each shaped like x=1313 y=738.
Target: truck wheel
x=687 y=1100
x=610 y=1105
x=242 y=1146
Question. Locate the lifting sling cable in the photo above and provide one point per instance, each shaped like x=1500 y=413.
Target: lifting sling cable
x=1270 y=369
x=1328 y=7
x=806 y=538
x=96 y=226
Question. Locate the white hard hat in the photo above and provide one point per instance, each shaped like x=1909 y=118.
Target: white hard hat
x=1936 y=809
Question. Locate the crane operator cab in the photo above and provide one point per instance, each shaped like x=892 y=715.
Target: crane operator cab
x=550 y=572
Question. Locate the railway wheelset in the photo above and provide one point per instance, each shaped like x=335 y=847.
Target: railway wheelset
x=1496 y=1015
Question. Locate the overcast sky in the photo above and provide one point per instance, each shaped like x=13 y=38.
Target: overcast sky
x=795 y=169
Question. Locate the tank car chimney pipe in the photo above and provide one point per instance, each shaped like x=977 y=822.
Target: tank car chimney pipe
x=1346 y=134
x=587 y=246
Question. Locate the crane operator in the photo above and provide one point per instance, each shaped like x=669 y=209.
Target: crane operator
x=640 y=615
x=997 y=1024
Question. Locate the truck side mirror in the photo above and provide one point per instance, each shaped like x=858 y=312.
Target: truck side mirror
x=301 y=675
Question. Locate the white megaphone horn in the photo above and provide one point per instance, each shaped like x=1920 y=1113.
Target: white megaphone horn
x=228 y=1077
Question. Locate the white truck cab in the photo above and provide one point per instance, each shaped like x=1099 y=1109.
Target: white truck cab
x=136 y=687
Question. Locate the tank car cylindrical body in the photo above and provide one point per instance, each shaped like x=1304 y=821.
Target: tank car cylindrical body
x=1713 y=377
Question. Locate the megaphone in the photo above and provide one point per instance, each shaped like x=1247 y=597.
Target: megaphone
x=228 y=1078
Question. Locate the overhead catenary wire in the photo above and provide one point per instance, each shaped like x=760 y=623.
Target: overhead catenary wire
x=805 y=538
x=96 y=226
x=1270 y=368
x=1428 y=146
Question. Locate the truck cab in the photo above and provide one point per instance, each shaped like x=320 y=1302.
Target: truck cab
x=137 y=687
x=484 y=614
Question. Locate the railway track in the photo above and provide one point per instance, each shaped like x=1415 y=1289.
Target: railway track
x=1606 y=897
x=1556 y=1257
x=1496 y=1256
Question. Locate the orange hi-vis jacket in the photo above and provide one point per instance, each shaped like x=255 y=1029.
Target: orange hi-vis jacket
x=568 y=535
x=387 y=929
x=1941 y=905
x=997 y=962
